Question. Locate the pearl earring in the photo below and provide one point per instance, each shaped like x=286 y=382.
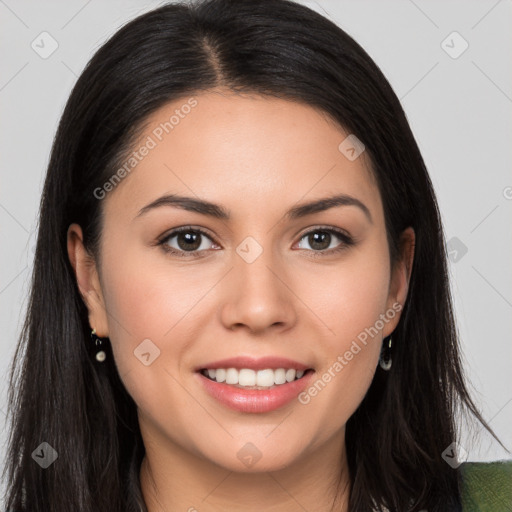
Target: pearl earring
x=98 y=342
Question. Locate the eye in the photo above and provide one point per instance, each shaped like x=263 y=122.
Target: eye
x=324 y=240
x=191 y=242
x=187 y=241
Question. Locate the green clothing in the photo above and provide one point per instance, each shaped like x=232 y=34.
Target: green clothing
x=487 y=487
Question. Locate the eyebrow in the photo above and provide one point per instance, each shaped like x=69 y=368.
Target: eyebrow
x=216 y=211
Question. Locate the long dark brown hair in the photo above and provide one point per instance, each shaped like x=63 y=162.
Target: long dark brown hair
x=58 y=395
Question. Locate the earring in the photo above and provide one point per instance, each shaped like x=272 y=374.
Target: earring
x=98 y=342
x=385 y=355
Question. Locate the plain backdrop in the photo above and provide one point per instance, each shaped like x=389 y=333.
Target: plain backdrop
x=449 y=62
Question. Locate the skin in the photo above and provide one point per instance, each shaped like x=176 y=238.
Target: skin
x=257 y=157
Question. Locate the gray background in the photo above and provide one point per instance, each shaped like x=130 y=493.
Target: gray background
x=459 y=110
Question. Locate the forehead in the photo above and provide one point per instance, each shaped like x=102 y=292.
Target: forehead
x=244 y=151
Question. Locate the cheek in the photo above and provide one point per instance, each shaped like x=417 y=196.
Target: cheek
x=147 y=299
x=351 y=303
x=350 y=296
x=148 y=308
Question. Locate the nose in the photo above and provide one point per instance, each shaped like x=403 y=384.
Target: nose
x=258 y=297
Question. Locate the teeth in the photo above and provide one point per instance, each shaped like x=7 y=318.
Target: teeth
x=231 y=376
x=280 y=376
x=247 y=378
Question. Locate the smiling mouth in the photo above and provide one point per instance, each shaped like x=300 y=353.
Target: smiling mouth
x=246 y=378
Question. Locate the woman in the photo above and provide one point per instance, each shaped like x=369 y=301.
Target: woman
x=240 y=297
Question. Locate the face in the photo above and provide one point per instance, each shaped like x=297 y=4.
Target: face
x=256 y=276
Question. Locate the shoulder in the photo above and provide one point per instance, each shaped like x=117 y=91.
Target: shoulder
x=486 y=486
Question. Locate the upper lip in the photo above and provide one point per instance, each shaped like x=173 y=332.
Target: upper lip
x=260 y=363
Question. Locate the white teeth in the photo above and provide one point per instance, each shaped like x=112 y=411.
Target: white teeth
x=231 y=376
x=280 y=376
x=265 y=378
x=290 y=375
x=246 y=377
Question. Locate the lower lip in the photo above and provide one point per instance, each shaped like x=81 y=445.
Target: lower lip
x=256 y=400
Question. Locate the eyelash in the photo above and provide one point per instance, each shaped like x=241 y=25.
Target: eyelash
x=346 y=241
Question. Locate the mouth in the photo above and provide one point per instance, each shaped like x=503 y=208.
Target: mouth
x=255 y=390
x=247 y=378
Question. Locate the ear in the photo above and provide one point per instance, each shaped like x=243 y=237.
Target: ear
x=88 y=281
x=400 y=277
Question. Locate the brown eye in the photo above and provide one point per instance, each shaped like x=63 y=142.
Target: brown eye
x=325 y=240
x=187 y=240
x=319 y=240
